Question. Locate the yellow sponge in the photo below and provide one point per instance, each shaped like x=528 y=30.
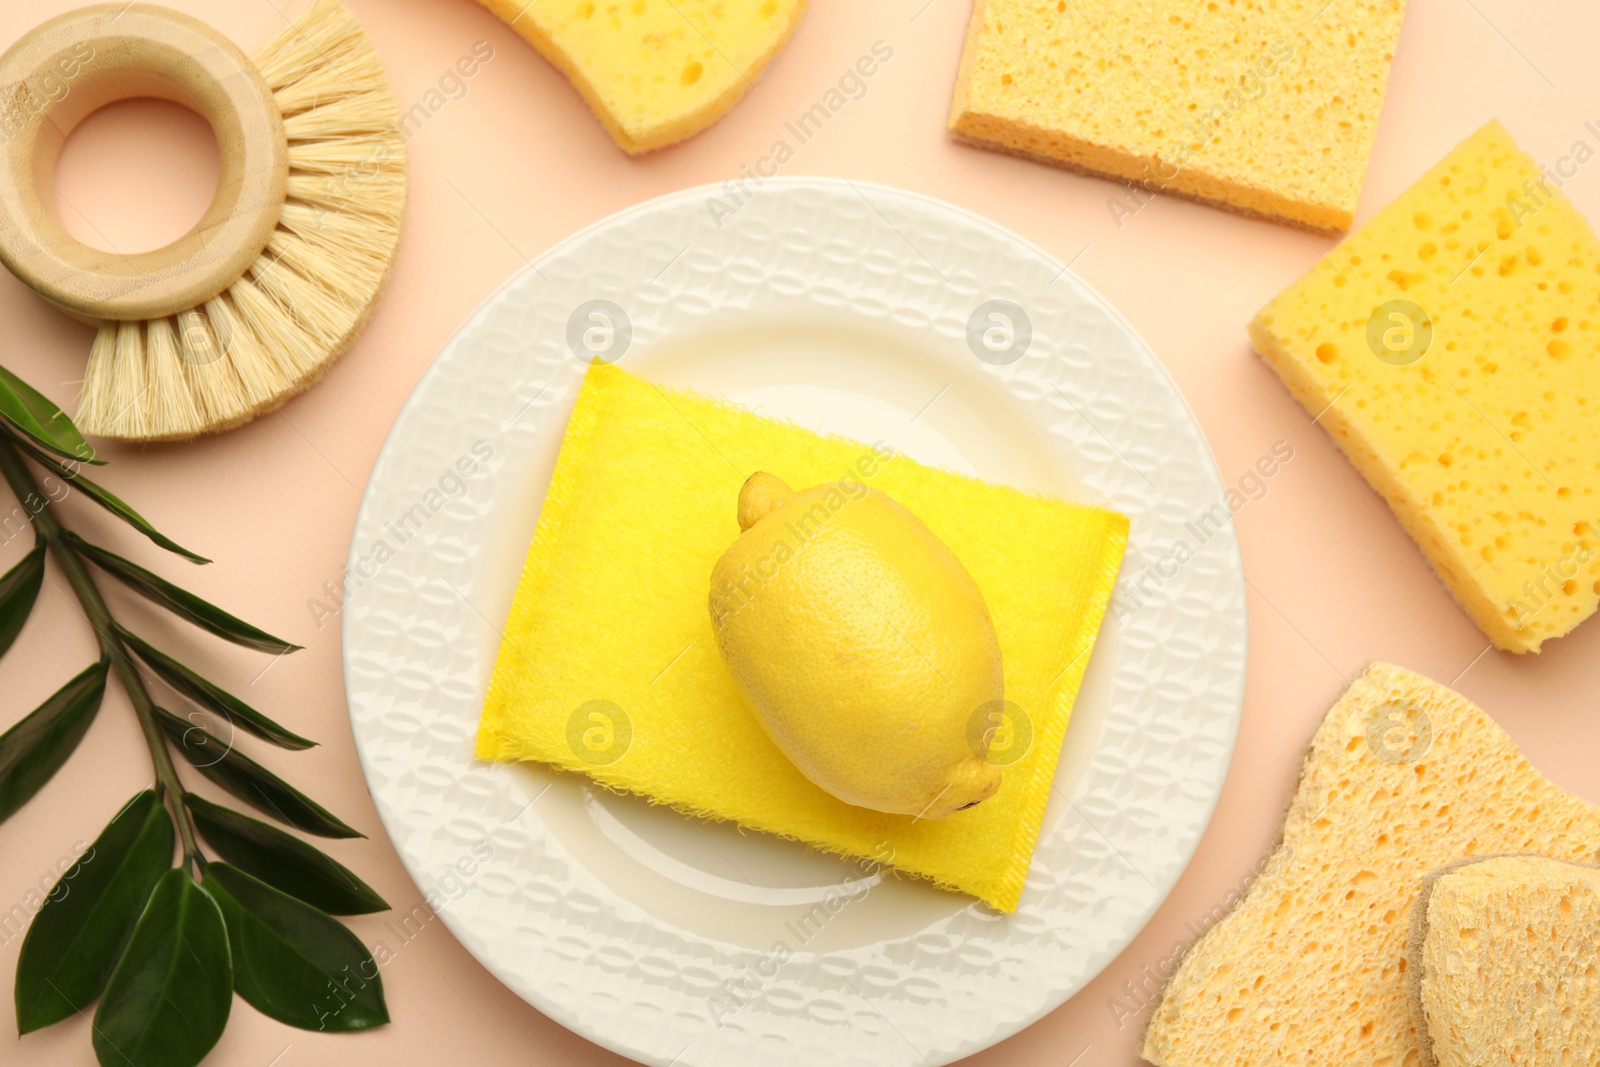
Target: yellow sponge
x=1311 y=966
x=1265 y=109
x=1452 y=348
x=609 y=665
x=655 y=71
x=1504 y=959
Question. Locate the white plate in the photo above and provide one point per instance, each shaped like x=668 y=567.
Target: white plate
x=844 y=305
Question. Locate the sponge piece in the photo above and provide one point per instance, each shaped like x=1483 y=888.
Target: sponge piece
x=609 y=665
x=1452 y=348
x=1504 y=961
x=1402 y=777
x=655 y=71
x=1266 y=109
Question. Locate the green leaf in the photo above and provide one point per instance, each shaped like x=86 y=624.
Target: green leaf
x=18 y=591
x=112 y=503
x=179 y=601
x=78 y=934
x=294 y=963
x=284 y=861
x=37 y=417
x=34 y=749
x=249 y=781
x=210 y=696
x=168 y=999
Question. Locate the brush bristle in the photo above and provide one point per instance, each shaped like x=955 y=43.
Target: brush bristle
x=304 y=299
x=171 y=402
x=243 y=352
x=99 y=378
x=213 y=381
x=115 y=385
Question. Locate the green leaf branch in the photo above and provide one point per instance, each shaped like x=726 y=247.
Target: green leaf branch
x=163 y=948
x=112 y=651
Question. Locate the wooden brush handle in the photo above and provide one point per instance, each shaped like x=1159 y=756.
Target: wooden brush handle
x=80 y=61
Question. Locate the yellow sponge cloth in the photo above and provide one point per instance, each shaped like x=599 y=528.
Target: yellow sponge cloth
x=1265 y=108
x=609 y=665
x=1451 y=347
x=655 y=71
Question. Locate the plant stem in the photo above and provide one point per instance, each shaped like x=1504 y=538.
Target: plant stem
x=45 y=523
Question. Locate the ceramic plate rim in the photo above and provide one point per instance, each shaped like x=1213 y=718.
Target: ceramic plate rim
x=424 y=871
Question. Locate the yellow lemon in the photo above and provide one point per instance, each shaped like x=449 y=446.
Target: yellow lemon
x=862 y=644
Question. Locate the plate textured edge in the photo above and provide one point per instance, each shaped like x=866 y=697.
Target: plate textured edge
x=603 y=967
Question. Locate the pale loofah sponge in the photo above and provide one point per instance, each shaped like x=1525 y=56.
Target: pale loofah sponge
x=1403 y=776
x=655 y=71
x=1505 y=960
x=1266 y=109
x=1452 y=348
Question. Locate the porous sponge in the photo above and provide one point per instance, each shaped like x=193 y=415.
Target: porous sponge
x=1265 y=109
x=1473 y=412
x=1403 y=777
x=1504 y=960
x=655 y=71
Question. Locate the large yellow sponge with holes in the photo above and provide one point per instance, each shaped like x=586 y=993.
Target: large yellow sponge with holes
x=1452 y=349
x=1311 y=967
x=1265 y=109
x=1504 y=963
x=655 y=71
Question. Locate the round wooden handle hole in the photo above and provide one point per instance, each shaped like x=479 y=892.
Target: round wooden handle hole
x=164 y=157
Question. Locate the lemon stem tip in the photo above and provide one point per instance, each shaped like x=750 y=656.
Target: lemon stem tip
x=760 y=493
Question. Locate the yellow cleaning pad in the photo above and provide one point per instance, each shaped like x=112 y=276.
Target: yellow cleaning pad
x=1268 y=109
x=1451 y=346
x=609 y=666
x=655 y=71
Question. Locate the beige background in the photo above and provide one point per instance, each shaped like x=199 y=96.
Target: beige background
x=518 y=163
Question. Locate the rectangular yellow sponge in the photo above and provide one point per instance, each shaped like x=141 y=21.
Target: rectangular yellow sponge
x=1265 y=109
x=609 y=665
x=1452 y=349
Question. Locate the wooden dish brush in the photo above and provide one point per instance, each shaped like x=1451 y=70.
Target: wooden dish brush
x=276 y=280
